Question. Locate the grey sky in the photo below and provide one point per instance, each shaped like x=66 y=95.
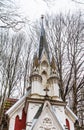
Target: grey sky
x=34 y=8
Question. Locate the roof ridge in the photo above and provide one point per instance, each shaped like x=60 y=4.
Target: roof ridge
x=38 y=112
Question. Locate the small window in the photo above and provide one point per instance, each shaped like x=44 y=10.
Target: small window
x=44 y=77
x=44 y=63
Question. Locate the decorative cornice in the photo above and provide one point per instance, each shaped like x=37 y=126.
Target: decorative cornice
x=53 y=78
x=36 y=77
x=41 y=101
x=69 y=112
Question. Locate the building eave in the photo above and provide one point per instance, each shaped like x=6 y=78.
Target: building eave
x=70 y=113
x=17 y=105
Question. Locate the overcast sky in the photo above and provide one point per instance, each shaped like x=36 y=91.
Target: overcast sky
x=34 y=8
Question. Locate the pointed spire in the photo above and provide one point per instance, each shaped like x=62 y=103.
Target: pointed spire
x=42 y=27
x=41 y=37
x=35 y=63
x=43 y=42
x=53 y=65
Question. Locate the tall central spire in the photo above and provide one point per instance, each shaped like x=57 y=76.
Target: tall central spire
x=42 y=27
x=43 y=42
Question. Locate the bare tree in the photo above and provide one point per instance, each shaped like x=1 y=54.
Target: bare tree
x=78 y=1
x=10 y=16
x=75 y=49
x=65 y=34
x=12 y=67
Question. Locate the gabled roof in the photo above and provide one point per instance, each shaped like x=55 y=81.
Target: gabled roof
x=9 y=103
x=70 y=113
x=38 y=112
x=47 y=108
x=17 y=105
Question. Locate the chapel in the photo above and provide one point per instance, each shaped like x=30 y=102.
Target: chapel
x=42 y=107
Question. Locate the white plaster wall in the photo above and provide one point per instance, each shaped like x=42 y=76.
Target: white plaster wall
x=52 y=124
x=12 y=118
x=71 y=122
x=47 y=126
x=36 y=86
x=59 y=111
x=56 y=89
x=53 y=90
x=32 y=110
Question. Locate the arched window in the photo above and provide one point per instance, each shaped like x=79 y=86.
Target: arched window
x=67 y=124
x=44 y=65
x=20 y=123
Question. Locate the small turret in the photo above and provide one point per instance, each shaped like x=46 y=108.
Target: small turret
x=35 y=78
x=36 y=81
x=53 y=80
x=35 y=62
x=53 y=65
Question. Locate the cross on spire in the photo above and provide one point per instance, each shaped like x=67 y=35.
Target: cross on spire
x=42 y=16
x=46 y=90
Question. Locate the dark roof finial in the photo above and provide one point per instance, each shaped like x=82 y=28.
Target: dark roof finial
x=42 y=16
x=42 y=27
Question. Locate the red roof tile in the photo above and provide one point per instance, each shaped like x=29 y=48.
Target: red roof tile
x=9 y=103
